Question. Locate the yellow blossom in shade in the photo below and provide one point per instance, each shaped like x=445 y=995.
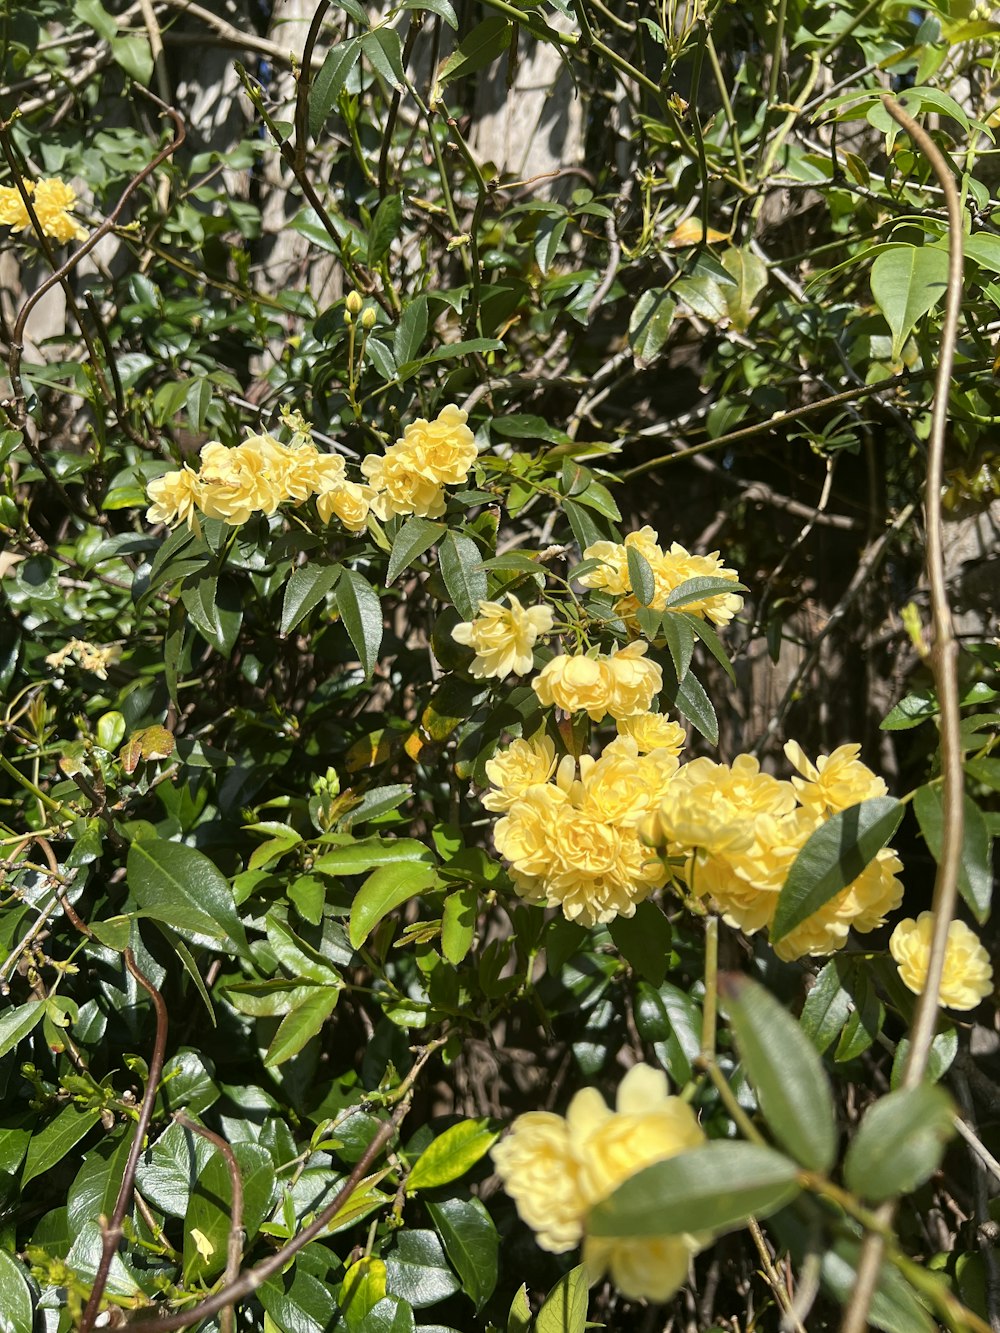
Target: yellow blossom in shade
x=836 y=781
x=503 y=637
x=93 y=657
x=558 y=1175
x=653 y=731
x=968 y=975
x=175 y=498
x=541 y=1174
x=13 y=211
x=512 y=771
x=349 y=502
x=53 y=199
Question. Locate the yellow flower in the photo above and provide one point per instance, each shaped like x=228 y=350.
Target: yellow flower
x=713 y=807
x=557 y=1169
x=541 y=1174
x=13 y=212
x=524 y=836
x=635 y=681
x=503 y=637
x=175 y=497
x=53 y=200
x=512 y=771
x=835 y=782
x=613 y=576
x=669 y=569
x=349 y=502
x=93 y=657
x=576 y=684
x=239 y=482
x=411 y=476
x=968 y=974
x=653 y=731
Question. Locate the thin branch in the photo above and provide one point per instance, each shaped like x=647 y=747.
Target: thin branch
x=113 y=1231
x=944 y=656
x=234 y=1253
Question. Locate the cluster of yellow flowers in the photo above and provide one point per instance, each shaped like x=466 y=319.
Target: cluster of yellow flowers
x=410 y=478
x=622 y=683
x=52 y=200
x=968 y=973
x=738 y=830
x=503 y=637
x=93 y=657
x=256 y=477
x=262 y=473
x=557 y=1168
x=669 y=569
x=570 y=831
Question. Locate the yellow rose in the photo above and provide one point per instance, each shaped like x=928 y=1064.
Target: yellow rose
x=653 y=731
x=713 y=806
x=238 y=482
x=576 y=684
x=541 y=1174
x=53 y=199
x=503 y=637
x=635 y=681
x=521 y=765
x=400 y=487
x=175 y=498
x=968 y=975
x=647 y=1268
x=836 y=781
x=623 y=786
x=13 y=211
x=347 y=501
x=442 y=450
x=524 y=836
x=613 y=576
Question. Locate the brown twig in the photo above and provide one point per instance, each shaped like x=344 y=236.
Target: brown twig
x=944 y=656
x=113 y=1230
x=234 y=1254
x=303 y=85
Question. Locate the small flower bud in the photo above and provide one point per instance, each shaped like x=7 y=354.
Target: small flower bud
x=354 y=302
x=368 y=318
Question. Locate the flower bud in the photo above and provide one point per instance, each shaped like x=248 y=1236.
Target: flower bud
x=354 y=302
x=368 y=318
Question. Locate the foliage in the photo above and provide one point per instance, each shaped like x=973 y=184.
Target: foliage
x=255 y=921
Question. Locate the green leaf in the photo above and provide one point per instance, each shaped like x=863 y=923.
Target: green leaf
x=463 y=574
x=649 y=324
x=458 y=923
x=168 y=1170
x=361 y=612
x=907 y=282
x=442 y=8
x=895 y=1306
x=705 y=631
x=975 y=871
x=385 y=227
x=216 y=609
x=407 y=342
x=911 y=711
x=900 y=1142
x=598 y=497
x=750 y=277
x=417 y=1270
x=305 y=589
x=483 y=45
x=689 y=698
x=133 y=54
x=181 y=887
x=640 y=576
x=93 y=13
x=16 y=1313
x=452 y=1153
x=211 y=1203
x=297 y=957
x=416 y=536
x=365 y=853
x=301 y=1024
x=833 y=857
x=17 y=1023
x=551 y=231
x=94 y=1192
x=785 y=1069
x=383 y=890
x=564 y=1309
x=471 y=1243
x=519 y=1317
x=828 y=1004
x=643 y=940
x=700 y=588
x=384 y=52
x=864 y=1022
x=585 y=529
x=679 y=638
x=51 y=1144
x=296 y=1301
x=712 y=1188
x=327 y=84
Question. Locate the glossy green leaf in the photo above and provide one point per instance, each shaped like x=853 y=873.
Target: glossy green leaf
x=471 y=1244
x=407 y=342
x=895 y=1306
x=307 y=586
x=215 y=606
x=907 y=282
x=355 y=858
x=417 y=1270
x=712 y=1188
x=56 y=1139
x=210 y=1206
x=464 y=577
x=452 y=1154
x=519 y=1316
x=301 y=1024
x=688 y=697
x=458 y=923
x=169 y=1168
x=327 y=84
x=679 y=638
x=785 y=1069
x=975 y=872
x=640 y=576
x=17 y=1023
x=643 y=940
x=383 y=50
x=828 y=1004
x=900 y=1142
x=181 y=887
x=361 y=612
x=833 y=857
x=385 y=889
x=385 y=227
x=649 y=324
x=416 y=536
x=564 y=1309
x=700 y=588
x=16 y=1312
x=481 y=47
